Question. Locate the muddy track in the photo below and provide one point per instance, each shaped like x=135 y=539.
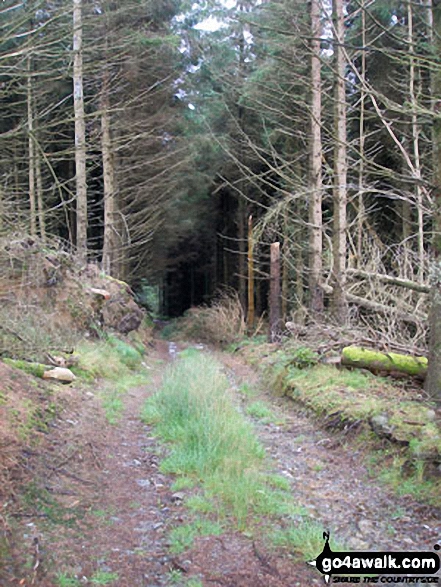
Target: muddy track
x=107 y=510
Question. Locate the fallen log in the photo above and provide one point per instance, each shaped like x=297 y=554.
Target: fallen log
x=414 y=318
x=386 y=363
x=399 y=281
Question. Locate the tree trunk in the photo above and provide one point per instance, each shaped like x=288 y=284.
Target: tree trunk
x=274 y=297
x=285 y=264
x=379 y=362
x=340 y=167
x=406 y=283
x=433 y=379
x=315 y=167
x=31 y=146
x=416 y=144
x=250 y=313
x=361 y=207
x=2 y=210
x=80 y=133
x=40 y=200
x=111 y=241
x=242 y=241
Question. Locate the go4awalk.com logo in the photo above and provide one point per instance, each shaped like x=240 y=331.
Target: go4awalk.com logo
x=378 y=565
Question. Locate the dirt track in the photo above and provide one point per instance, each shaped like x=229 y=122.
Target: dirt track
x=115 y=509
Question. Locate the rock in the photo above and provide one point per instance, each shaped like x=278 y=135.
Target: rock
x=178 y=496
x=130 y=322
x=60 y=374
x=143 y=482
x=431 y=415
x=380 y=425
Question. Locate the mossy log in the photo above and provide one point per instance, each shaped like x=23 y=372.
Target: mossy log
x=36 y=369
x=379 y=362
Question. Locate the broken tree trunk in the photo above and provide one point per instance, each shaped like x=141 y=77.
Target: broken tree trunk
x=388 y=363
x=274 y=296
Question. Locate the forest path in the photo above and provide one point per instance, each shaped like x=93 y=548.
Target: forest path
x=107 y=510
x=329 y=478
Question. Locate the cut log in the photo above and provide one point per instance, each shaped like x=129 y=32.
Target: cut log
x=60 y=374
x=379 y=362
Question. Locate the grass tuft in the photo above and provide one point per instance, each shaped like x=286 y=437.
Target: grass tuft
x=182 y=537
x=210 y=439
x=261 y=411
x=305 y=538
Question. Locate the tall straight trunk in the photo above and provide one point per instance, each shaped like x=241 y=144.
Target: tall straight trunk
x=250 y=313
x=361 y=207
x=2 y=210
x=80 y=133
x=285 y=264
x=31 y=153
x=416 y=143
x=315 y=166
x=40 y=199
x=274 y=295
x=433 y=379
x=340 y=167
x=242 y=238
x=111 y=241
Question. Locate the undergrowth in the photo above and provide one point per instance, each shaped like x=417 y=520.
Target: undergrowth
x=116 y=361
x=109 y=358
x=357 y=400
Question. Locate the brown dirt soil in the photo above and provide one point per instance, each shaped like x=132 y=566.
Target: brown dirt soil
x=93 y=500
x=98 y=503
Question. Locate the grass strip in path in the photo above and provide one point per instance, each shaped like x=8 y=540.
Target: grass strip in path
x=213 y=446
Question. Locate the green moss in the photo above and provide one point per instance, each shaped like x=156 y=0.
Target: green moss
x=374 y=359
x=36 y=369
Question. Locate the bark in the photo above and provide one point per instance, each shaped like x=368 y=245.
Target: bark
x=40 y=201
x=416 y=143
x=2 y=211
x=250 y=313
x=340 y=168
x=80 y=133
x=111 y=240
x=361 y=207
x=285 y=264
x=31 y=147
x=412 y=318
x=433 y=379
x=274 y=297
x=315 y=166
x=242 y=265
x=406 y=283
x=379 y=362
